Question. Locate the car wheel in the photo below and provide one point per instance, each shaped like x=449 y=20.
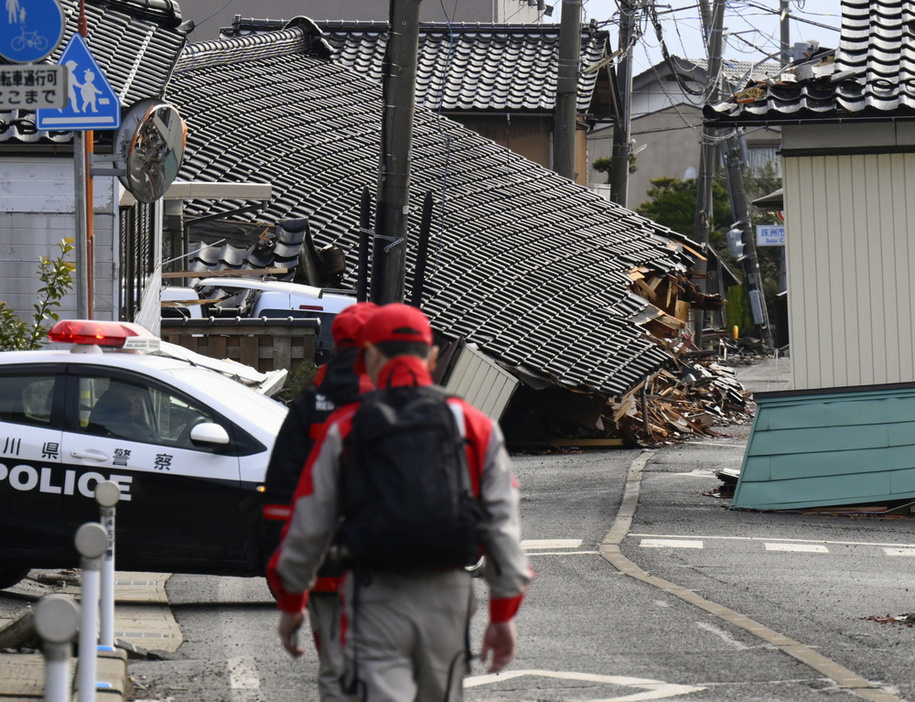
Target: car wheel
x=10 y=576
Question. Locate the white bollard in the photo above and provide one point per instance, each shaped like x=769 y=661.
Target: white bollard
x=91 y=542
x=57 y=621
x=107 y=494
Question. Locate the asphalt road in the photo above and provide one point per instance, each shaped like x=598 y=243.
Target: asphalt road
x=589 y=632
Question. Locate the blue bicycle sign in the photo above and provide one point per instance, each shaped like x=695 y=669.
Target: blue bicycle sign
x=30 y=29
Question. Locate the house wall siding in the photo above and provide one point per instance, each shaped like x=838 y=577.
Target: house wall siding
x=36 y=211
x=849 y=260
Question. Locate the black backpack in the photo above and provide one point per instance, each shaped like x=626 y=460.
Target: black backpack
x=406 y=498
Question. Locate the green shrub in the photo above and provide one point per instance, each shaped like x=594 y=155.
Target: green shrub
x=57 y=278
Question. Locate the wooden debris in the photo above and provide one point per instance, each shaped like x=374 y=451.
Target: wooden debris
x=691 y=397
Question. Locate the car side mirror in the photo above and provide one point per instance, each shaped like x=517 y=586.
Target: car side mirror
x=209 y=433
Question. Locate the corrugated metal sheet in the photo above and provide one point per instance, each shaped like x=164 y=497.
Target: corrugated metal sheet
x=481 y=382
x=830 y=449
x=852 y=314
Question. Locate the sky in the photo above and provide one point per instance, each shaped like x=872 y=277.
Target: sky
x=751 y=32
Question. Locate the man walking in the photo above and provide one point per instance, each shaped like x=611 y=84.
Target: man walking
x=407 y=627
x=336 y=384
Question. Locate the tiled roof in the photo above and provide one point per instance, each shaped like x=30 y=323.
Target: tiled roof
x=872 y=74
x=135 y=43
x=466 y=66
x=527 y=264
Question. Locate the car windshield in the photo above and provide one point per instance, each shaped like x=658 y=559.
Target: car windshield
x=266 y=413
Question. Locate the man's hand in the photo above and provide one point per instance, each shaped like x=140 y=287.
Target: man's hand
x=499 y=639
x=289 y=627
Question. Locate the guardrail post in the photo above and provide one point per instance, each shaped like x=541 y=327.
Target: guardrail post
x=91 y=542
x=57 y=621
x=107 y=494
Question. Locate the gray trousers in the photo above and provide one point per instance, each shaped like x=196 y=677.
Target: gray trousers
x=324 y=614
x=406 y=639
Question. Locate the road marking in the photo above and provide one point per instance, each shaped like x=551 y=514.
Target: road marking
x=670 y=543
x=242 y=674
x=653 y=689
x=610 y=550
x=550 y=543
x=899 y=551
x=769 y=538
x=723 y=635
x=797 y=548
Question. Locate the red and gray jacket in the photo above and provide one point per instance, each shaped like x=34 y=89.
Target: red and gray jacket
x=295 y=564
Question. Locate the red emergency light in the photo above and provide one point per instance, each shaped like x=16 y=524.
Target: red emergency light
x=94 y=333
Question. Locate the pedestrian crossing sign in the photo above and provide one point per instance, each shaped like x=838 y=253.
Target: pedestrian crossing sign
x=92 y=103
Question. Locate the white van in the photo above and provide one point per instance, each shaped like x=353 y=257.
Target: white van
x=238 y=297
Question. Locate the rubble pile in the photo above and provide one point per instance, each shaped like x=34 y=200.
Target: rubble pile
x=694 y=395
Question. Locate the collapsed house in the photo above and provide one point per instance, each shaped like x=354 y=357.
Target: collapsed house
x=532 y=271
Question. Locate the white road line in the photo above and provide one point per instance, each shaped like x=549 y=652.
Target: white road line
x=242 y=674
x=562 y=553
x=670 y=543
x=723 y=635
x=550 y=543
x=899 y=551
x=798 y=548
x=652 y=689
x=769 y=538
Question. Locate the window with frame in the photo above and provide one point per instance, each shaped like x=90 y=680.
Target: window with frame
x=26 y=399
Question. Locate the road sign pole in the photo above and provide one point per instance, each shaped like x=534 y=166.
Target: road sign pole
x=80 y=175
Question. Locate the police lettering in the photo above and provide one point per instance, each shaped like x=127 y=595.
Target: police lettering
x=25 y=478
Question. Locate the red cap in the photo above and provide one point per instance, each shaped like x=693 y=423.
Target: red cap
x=396 y=322
x=347 y=325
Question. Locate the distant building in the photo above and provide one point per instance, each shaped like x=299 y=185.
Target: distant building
x=667 y=102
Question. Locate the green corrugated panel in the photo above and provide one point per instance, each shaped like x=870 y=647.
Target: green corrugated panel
x=816 y=449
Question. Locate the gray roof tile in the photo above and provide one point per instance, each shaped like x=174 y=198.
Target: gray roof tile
x=488 y=67
x=527 y=264
x=871 y=74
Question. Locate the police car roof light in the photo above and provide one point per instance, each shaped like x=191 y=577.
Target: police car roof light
x=95 y=333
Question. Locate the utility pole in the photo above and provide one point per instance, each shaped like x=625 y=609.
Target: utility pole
x=785 y=31
x=750 y=261
x=392 y=213
x=565 y=116
x=619 y=165
x=713 y=23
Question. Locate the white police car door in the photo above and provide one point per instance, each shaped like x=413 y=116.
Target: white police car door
x=32 y=484
x=179 y=502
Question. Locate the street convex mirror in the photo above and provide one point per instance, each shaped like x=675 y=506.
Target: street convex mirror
x=151 y=142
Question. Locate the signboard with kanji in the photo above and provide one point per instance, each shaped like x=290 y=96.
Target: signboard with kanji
x=32 y=87
x=770 y=234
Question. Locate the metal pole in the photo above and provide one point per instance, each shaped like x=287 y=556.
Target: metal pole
x=91 y=542
x=392 y=213
x=107 y=494
x=81 y=243
x=619 y=165
x=57 y=621
x=708 y=156
x=566 y=112
x=750 y=262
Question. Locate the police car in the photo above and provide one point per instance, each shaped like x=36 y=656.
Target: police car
x=187 y=446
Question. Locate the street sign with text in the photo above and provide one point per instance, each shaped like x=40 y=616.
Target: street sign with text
x=770 y=234
x=32 y=87
x=92 y=103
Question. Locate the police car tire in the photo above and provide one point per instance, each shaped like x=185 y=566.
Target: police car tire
x=10 y=576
